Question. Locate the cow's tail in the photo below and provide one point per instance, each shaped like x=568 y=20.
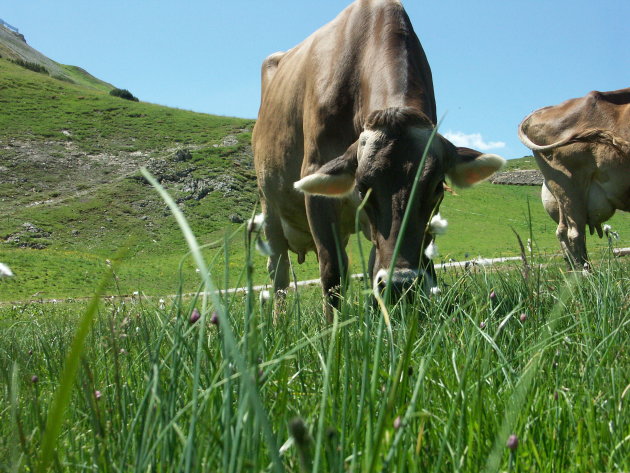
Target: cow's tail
x=590 y=135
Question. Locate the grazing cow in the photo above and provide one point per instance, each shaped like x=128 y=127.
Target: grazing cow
x=582 y=147
x=351 y=109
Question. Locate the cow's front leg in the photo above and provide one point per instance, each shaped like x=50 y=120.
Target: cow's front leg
x=323 y=218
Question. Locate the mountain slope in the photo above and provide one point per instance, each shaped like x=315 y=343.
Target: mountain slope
x=13 y=46
x=71 y=194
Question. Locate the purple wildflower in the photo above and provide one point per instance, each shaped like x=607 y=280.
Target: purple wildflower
x=397 y=423
x=194 y=316
x=34 y=379
x=512 y=442
x=97 y=395
x=214 y=319
x=523 y=317
x=493 y=295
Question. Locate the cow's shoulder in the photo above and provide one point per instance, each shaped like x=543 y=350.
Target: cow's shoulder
x=269 y=68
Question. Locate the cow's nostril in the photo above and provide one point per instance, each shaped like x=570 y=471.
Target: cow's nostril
x=403 y=280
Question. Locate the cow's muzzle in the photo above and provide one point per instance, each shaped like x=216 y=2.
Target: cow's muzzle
x=403 y=282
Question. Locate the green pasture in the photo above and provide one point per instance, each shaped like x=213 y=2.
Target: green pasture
x=482 y=221
x=541 y=357
x=507 y=369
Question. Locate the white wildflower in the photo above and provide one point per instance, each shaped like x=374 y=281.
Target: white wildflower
x=5 y=271
x=431 y=251
x=162 y=304
x=256 y=223
x=438 y=225
x=529 y=245
x=435 y=291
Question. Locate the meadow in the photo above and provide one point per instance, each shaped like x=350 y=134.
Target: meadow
x=520 y=367
x=507 y=369
x=69 y=166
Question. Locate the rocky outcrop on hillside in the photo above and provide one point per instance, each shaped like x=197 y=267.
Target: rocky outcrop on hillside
x=529 y=177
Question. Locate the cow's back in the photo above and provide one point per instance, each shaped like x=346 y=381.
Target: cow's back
x=316 y=96
x=608 y=111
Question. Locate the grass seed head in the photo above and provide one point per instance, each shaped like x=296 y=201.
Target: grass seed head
x=256 y=223
x=438 y=225
x=431 y=251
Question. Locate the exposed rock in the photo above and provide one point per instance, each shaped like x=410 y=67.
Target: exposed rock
x=229 y=140
x=182 y=155
x=29 y=237
x=36 y=232
x=236 y=218
x=530 y=177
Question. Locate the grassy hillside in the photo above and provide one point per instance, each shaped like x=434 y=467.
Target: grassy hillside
x=71 y=194
x=14 y=47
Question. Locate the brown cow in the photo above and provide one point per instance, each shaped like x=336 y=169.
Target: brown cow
x=351 y=108
x=582 y=147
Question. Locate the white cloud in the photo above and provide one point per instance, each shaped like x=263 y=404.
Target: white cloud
x=473 y=140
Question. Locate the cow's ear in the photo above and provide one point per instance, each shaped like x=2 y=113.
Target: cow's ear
x=470 y=166
x=333 y=179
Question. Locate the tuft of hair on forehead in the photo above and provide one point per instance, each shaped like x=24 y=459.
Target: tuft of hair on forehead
x=397 y=119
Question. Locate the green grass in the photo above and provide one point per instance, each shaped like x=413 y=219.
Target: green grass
x=479 y=225
x=131 y=385
x=460 y=372
x=39 y=107
x=69 y=161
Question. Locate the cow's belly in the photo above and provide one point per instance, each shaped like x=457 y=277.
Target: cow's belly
x=600 y=208
x=300 y=241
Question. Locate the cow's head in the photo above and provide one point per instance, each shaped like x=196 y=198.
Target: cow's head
x=385 y=159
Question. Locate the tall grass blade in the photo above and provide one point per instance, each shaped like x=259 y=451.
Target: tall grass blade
x=57 y=411
x=224 y=323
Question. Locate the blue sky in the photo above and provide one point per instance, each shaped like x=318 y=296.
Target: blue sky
x=493 y=62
